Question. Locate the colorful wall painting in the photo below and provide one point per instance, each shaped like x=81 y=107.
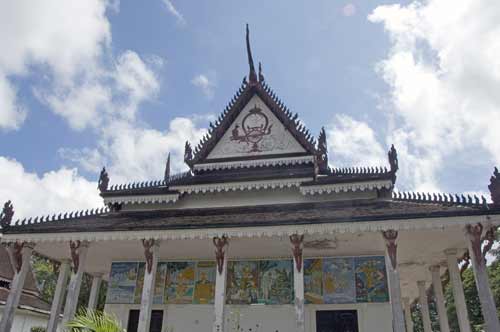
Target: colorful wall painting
x=338 y=280
x=313 y=281
x=140 y=282
x=161 y=275
x=371 y=280
x=122 y=281
x=242 y=282
x=179 y=286
x=275 y=282
x=204 y=289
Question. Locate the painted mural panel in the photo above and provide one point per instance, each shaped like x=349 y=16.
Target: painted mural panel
x=122 y=282
x=179 y=286
x=242 y=282
x=204 y=289
x=140 y=282
x=313 y=280
x=161 y=275
x=338 y=280
x=275 y=282
x=371 y=280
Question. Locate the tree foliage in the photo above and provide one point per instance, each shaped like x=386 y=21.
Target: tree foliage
x=46 y=272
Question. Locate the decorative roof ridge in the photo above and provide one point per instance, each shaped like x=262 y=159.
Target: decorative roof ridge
x=61 y=217
x=442 y=198
x=358 y=170
x=147 y=184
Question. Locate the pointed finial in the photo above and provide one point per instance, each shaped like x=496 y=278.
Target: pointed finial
x=322 y=150
x=261 y=76
x=252 y=75
x=167 y=168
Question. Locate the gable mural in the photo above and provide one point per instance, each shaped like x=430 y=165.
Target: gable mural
x=326 y=281
x=256 y=131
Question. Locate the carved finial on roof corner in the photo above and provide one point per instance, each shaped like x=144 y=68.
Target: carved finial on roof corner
x=167 y=168
x=494 y=187
x=252 y=76
x=322 y=151
x=7 y=214
x=261 y=75
x=103 y=182
x=393 y=162
x=188 y=153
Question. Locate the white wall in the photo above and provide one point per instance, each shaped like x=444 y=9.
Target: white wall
x=372 y=317
x=25 y=320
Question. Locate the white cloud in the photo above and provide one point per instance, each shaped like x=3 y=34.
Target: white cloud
x=443 y=71
x=205 y=84
x=12 y=113
x=45 y=34
x=353 y=143
x=53 y=192
x=131 y=153
x=172 y=10
x=349 y=10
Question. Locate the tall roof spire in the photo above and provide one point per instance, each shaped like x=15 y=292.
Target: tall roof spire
x=252 y=75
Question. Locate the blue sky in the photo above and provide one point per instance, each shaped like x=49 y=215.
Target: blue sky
x=122 y=83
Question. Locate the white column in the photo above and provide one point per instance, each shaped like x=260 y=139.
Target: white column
x=20 y=255
x=151 y=249
x=398 y=320
x=57 y=301
x=298 y=280
x=408 y=318
x=221 y=246
x=458 y=290
x=478 y=259
x=94 y=291
x=79 y=256
x=424 y=306
x=439 y=296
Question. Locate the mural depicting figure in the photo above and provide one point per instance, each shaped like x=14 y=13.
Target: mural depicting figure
x=122 y=281
x=275 y=282
x=371 y=280
x=204 y=289
x=179 y=286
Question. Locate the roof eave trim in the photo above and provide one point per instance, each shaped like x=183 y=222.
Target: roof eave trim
x=345 y=187
x=268 y=231
x=139 y=199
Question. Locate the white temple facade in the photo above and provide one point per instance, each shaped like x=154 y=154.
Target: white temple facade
x=262 y=234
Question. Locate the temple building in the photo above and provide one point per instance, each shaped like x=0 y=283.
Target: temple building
x=263 y=233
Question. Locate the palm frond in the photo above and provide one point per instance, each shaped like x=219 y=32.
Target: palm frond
x=95 y=321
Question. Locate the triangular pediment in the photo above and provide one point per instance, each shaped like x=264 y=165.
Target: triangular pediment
x=255 y=125
x=256 y=131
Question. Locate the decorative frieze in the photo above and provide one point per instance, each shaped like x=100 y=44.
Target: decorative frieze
x=254 y=163
x=140 y=199
x=344 y=187
x=240 y=186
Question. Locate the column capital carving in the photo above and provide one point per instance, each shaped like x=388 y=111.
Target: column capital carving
x=297 y=248
x=148 y=253
x=15 y=250
x=220 y=244
x=390 y=237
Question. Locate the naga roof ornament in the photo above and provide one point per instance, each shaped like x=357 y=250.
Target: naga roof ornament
x=494 y=187
x=393 y=162
x=103 y=182
x=322 y=151
x=7 y=214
